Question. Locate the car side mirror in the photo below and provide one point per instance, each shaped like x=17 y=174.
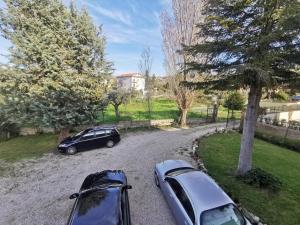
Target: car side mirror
x=128 y=187
x=75 y=195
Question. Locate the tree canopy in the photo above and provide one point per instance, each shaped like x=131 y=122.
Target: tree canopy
x=58 y=57
x=252 y=44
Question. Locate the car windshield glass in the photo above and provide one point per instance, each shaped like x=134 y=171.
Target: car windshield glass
x=76 y=136
x=225 y=215
x=101 y=187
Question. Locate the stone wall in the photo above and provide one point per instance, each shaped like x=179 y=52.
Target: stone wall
x=292 y=115
x=120 y=125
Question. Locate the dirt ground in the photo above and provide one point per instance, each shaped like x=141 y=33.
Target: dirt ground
x=37 y=191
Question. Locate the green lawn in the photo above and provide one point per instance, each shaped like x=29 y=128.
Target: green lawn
x=27 y=147
x=161 y=109
x=220 y=155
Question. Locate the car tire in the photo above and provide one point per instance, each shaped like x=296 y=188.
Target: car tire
x=71 y=150
x=110 y=144
x=156 y=180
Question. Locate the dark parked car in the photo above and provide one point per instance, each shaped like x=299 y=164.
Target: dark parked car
x=102 y=200
x=90 y=139
x=194 y=197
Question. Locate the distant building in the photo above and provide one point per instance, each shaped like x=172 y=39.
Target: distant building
x=131 y=81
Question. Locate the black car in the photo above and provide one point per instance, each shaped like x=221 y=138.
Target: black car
x=102 y=200
x=90 y=139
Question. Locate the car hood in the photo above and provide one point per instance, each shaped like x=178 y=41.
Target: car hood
x=67 y=140
x=98 y=208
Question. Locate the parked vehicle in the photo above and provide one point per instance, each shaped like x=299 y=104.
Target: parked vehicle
x=102 y=200
x=90 y=139
x=296 y=98
x=194 y=197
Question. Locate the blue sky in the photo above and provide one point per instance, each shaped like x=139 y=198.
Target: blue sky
x=129 y=26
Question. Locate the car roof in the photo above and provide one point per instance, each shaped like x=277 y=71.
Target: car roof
x=104 y=128
x=203 y=191
x=100 y=207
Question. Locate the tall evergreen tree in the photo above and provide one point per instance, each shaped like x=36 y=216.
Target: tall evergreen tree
x=251 y=44
x=59 y=58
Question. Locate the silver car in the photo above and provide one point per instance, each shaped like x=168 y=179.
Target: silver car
x=194 y=197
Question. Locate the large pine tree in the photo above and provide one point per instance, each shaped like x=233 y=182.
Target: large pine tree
x=252 y=44
x=58 y=56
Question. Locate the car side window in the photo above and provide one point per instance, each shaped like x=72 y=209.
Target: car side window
x=100 y=133
x=182 y=197
x=88 y=136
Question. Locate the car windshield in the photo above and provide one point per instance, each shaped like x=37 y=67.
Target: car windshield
x=225 y=215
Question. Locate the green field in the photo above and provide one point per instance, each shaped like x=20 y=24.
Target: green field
x=27 y=147
x=160 y=109
x=220 y=155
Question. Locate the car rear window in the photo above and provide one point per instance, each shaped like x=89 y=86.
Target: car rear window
x=224 y=215
x=178 y=171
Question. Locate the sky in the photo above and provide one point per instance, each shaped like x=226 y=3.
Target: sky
x=129 y=26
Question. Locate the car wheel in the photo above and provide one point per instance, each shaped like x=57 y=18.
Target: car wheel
x=156 y=180
x=110 y=144
x=71 y=150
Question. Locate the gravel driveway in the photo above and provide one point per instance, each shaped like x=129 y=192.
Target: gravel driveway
x=37 y=191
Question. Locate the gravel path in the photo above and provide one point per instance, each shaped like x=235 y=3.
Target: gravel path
x=37 y=191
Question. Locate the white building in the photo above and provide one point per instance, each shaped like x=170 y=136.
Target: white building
x=131 y=81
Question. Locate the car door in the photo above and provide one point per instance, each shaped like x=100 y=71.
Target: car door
x=86 y=141
x=101 y=138
x=179 y=203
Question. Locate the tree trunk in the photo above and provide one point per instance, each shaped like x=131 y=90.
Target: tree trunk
x=245 y=159
x=242 y=120
x=117 y=112
x=64 y=133
x=183 y=117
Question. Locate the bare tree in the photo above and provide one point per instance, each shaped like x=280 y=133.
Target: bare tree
x=117 y=98
x=145 y=66
x=178 y=30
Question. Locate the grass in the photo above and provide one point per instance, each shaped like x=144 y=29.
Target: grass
x=161 y=108
x=27 y=147
x=220 y=155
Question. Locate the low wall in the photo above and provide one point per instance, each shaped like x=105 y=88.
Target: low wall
x=24 y=131
x=292 y=115
x=278 y=131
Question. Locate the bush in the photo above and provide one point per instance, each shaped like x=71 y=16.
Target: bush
x=262 y=179
x=280 y=96
x=292 y=144
x=234 y=101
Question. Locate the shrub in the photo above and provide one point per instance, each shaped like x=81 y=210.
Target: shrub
x=262 y=179
x=281 y=96
x=292 y=144
x=234 y=101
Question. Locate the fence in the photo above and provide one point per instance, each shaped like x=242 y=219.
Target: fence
x=279 y=131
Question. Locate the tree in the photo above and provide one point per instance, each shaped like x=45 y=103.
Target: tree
x=145 y=66
x=58 y=54
x=250 y=44
x=117 y=98
x=234 y=101
x=179 y=29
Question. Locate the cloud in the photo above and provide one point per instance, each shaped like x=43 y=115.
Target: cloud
x=116 y=15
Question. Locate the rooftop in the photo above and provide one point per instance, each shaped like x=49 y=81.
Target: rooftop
x=129 y=75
